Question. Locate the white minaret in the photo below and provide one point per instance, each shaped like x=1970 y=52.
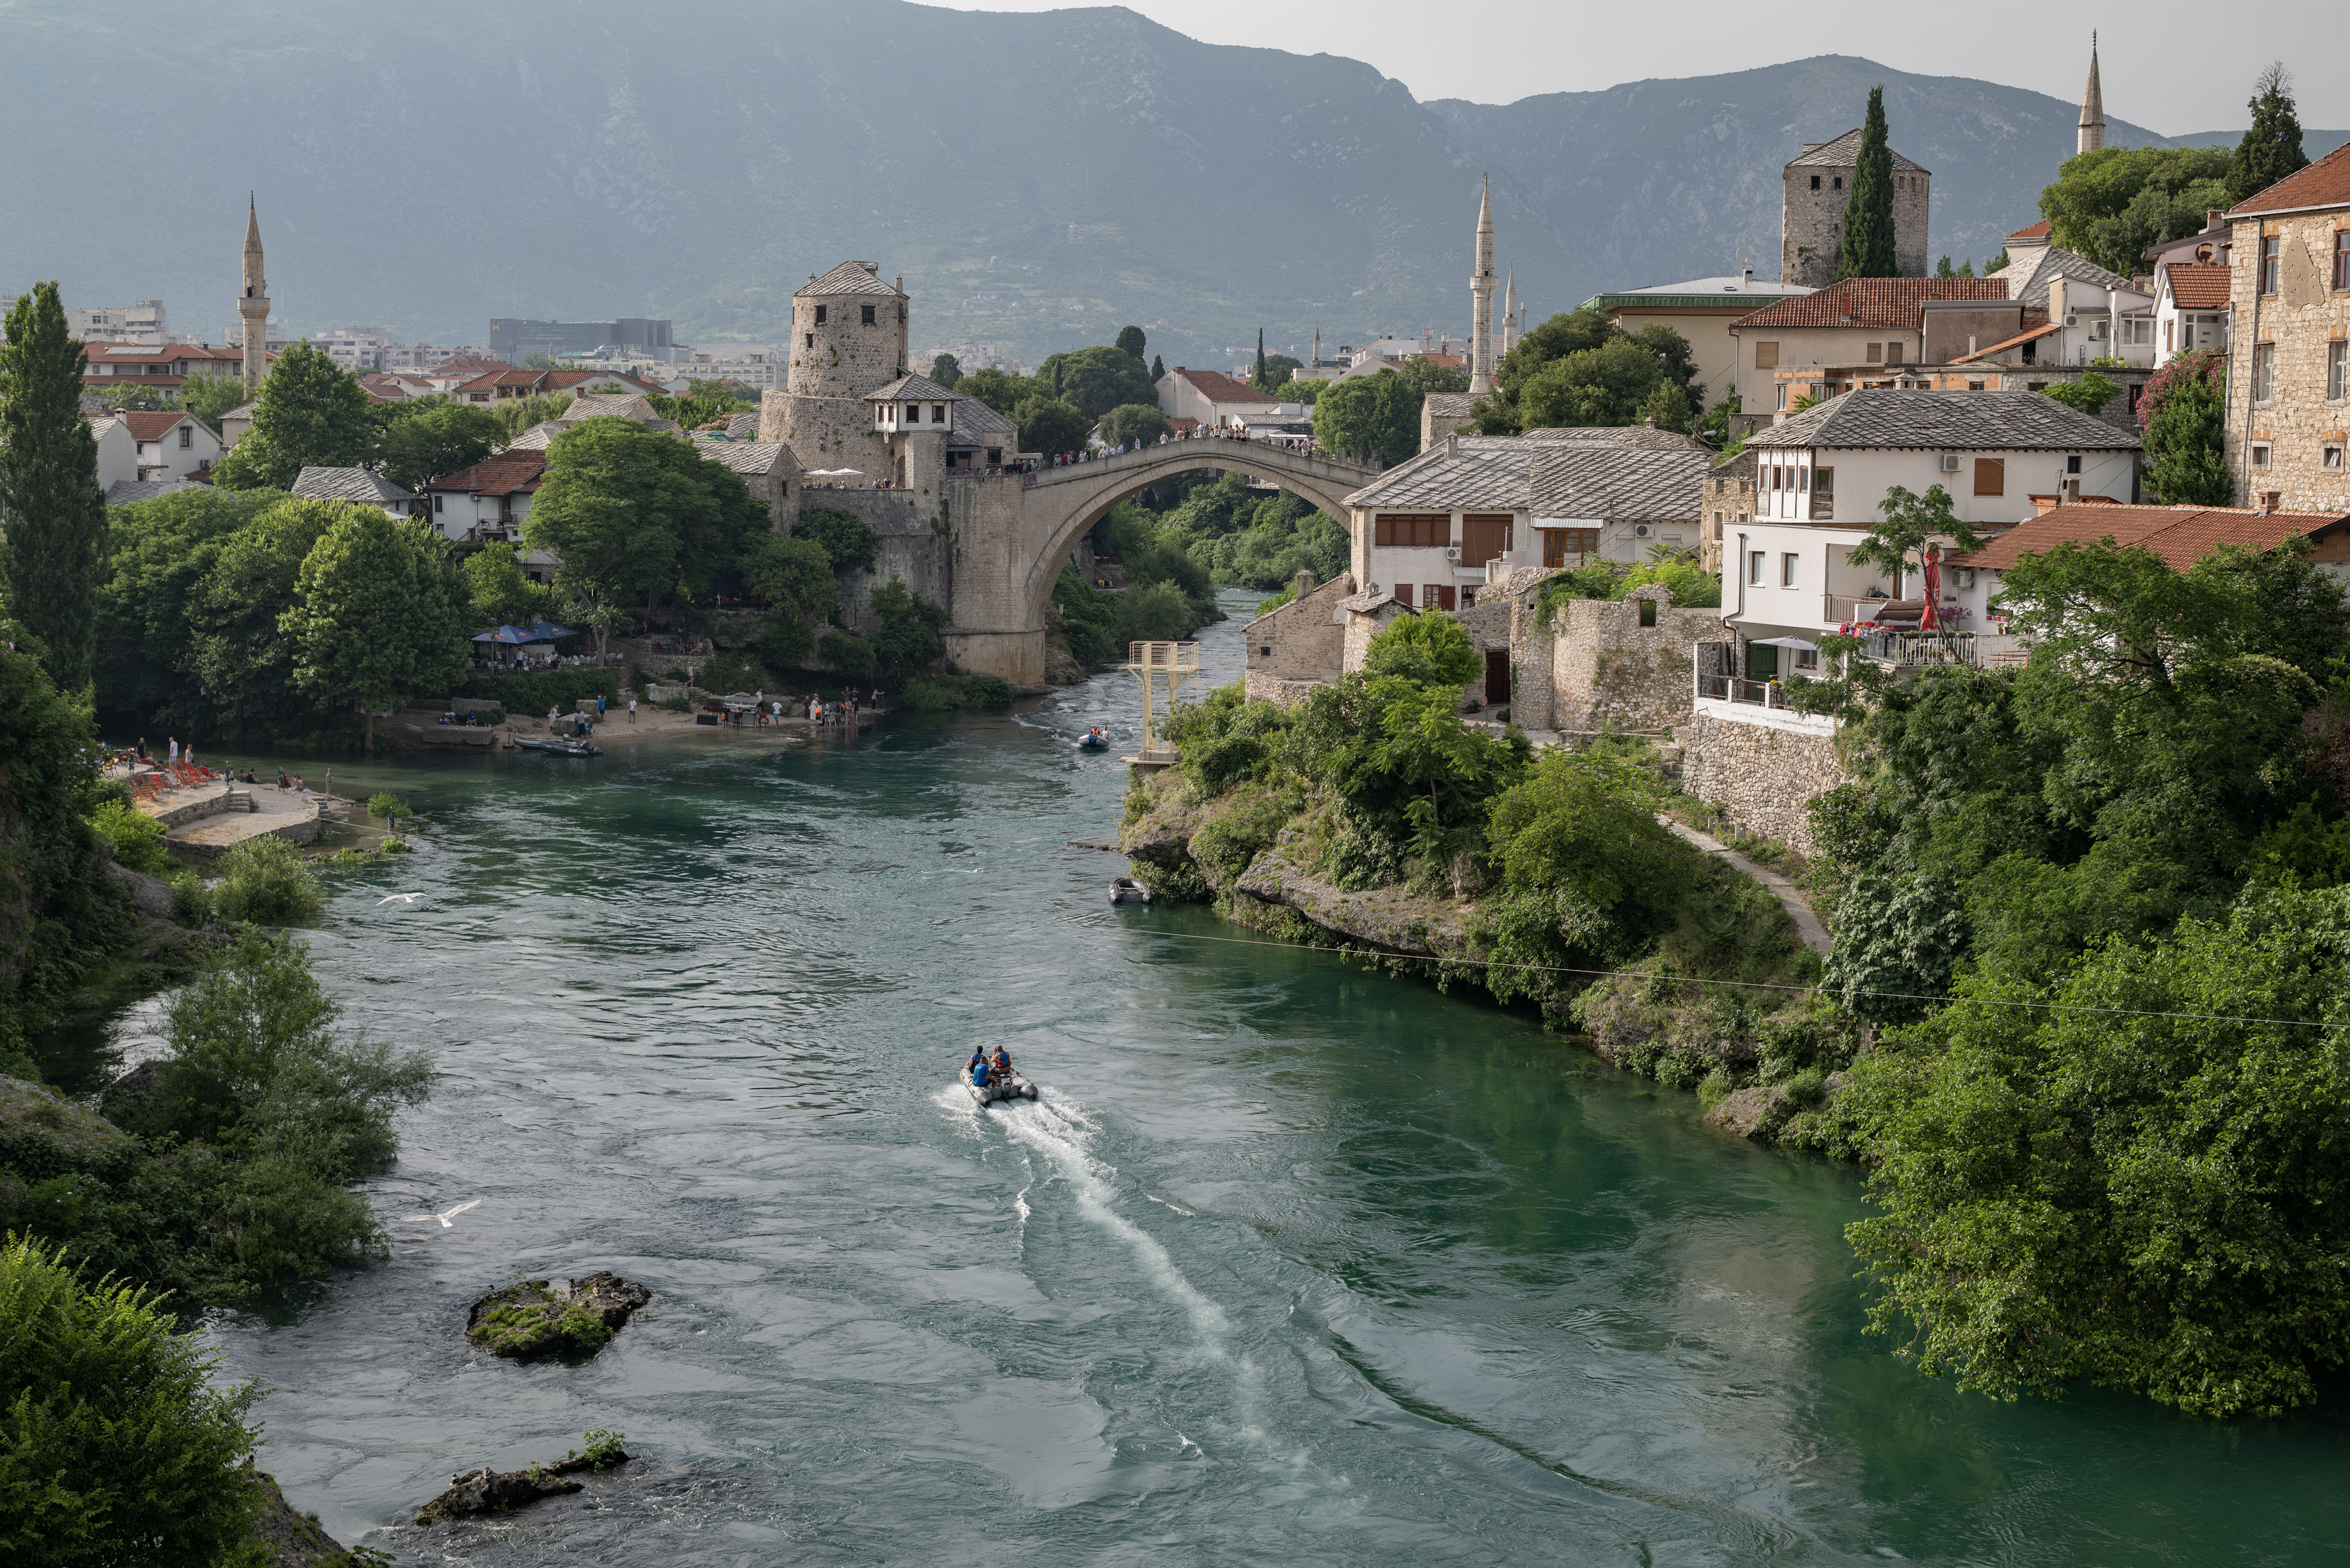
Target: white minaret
x=1510 y=312
x=2092 y=106
x=1480 y=288
x=254 y=304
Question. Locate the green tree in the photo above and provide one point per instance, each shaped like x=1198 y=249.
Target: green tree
x=1133 y=423
x=849 y=541
x=1095 y=380
x=2186 y=456
x=632 y=514
x=1374 y=416
x=516 y=415
x=2142 y=1192
x=47 y=791
x=52 y=513
x=1158 y=369
x=1908 y=526
x=1580 y=369
x=1000 y=389
x=498 y=592
x=158 y=553
x=238 y=647
x=1278 y=369
x=1868 y=246
x=309 y=413
x=792 y=575
x=946 y=370
x=2270 y=149
x=1429 y=650
x=208 y=394
x=848 y=655
x=2088 y=395
x=2110 y=205
x=1051 y=426
x=909 y=641
x=379 y=614
x=433 y=437
x=1131 y=341
x=114 y=1445
x=1942 y=268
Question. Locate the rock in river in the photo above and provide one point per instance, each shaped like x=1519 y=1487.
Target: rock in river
x=486 y=1491
x=532 y=1317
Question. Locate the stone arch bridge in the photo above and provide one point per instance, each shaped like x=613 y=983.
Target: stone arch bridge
x=1012 y=533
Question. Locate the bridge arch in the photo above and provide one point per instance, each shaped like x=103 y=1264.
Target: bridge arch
x=1012 y=532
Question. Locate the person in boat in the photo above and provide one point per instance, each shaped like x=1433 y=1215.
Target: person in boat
x=999 y=1065
x=979 y=1072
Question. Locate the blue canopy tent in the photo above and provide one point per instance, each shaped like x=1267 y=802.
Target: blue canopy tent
x=509 y=634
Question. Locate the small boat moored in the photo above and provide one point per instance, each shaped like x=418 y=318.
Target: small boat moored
x=560 y=747
x=1126 y=890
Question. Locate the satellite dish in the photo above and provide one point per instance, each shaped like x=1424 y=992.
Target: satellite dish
x=1744 y=256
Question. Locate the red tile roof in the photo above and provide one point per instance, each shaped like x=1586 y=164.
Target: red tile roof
x=501 y=475
x=2324 y=183
x=1879 y=303
x=2198 y=286
x=150 y=426
x=1221 y=388
x=2038 y=230
x=2180 y=535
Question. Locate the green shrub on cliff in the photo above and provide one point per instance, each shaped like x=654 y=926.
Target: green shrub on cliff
x=135 y=837
x=264 y=879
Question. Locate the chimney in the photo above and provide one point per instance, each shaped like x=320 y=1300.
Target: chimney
x=1452 y=444
x=2071 y=489
x=2043 y=505
x=2269 y=500
x=2211 y=216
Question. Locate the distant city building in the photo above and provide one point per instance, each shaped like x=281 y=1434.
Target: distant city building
x=355 y=348
x=139 y=323
x=516 y=339
x=758 y=367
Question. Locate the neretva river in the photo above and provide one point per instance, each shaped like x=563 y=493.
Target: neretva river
x=1293 y=1264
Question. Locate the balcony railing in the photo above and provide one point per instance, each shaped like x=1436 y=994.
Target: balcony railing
x=1733 y=688
x=1915 y=649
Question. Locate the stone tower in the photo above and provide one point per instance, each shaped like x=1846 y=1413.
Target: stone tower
x=2092 y=106
x=1819 y=188
x=1481 y=289
x=253 y=305
x=848 y=338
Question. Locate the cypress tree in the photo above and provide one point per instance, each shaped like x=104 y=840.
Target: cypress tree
x=1158 y=367
x=1259 y=377
x=2270 y=149
x=1868 y=249
x=51 y=511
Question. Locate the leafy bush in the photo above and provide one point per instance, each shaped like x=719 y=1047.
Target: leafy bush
x=850 y=543
x=1429 y=650
x=848 y=655
x=2087 y=395
x=909 y=641
x=191 y=901
x=135 y=837
x=986 y=691
x=264 y=879
x=1897 y=939
x=604 y=1448
x=114 y=1446
x=388 y=807
x=930 y=695
x=539 y=691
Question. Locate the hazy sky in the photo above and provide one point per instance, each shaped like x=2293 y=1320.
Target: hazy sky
x=2172 y=65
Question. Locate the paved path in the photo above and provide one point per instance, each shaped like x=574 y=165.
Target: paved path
x=1790 y=896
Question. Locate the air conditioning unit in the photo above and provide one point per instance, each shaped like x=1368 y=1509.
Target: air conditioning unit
x=1451 y=552
x=1950 y=463
x=1641 y=530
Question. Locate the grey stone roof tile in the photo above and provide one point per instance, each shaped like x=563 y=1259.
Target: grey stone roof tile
x=908 y=388
x=848 y=277
x=748 y=456
x=2056 y=262
x=1615 y=473
x=1844 y=152
x=350 y=485
x=126 y=492
x=743 y=426
x=1980 y=421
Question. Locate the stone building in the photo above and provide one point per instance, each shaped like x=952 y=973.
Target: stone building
x=1589 y=665
x=1728 y=501
x=848 y=339
x=1878 y=322
x=2289 y=361
x=1296 y=647
x=1817 y=188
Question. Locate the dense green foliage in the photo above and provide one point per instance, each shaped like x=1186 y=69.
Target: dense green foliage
x=1376 y=416
x=57 y=926
x=432 y=437
x=1133 y=423
x=114 y=1446
x=2112 y=204
x=309 y=412
x=2087 y=395
x=1426 y=649
x=381 y=613
x=2093 y=1195
x=1236 y=534
x=498 y=592
x=208 y=394
x=264 y=880
x=1051 y=426
x=52 y=514
x=1675 y=566
x=1580 y=369
x=1867 y=249
x=946 y=370
x=636 y=516
x=2270 y=148
x=2185 y=430
x=849 y=541
x=908 y=642
x=247 y=1136
x=1094 y=381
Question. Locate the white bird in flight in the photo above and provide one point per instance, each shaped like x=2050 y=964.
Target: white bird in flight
x=388 y=897
x=445 y=1213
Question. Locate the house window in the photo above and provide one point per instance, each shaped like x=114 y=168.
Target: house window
x=811 y=339
x=1766 y=356
x=1877 y=353
x=2331 y=460
x=2263 y=372
x=1839 y=181
x=819 y=315
x=1803 y=481
x=1436 y=595
x=1790 y=568
x=1565 y=546
x=1990 y=476
x=1483 y=536
x=2073 y=463
x=1754 y=567
x=1974 y=386
x=2341 y=258
x=1893 y=353
x=2272 y=261
x=938 y=413
x=1815 y=182
x=1824 y=481
x=2337 y=371
x=2170 y=330
x=868 y=315
x=187 y=438
x=1783 y=397
x=1403 y=593
x=2261 y=456
x=436 y=503
x=1413 y=530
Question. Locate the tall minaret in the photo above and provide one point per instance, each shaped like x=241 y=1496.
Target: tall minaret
x=2092 y=106
x=1481 y=287
x=254 y=304
x=1510 y=312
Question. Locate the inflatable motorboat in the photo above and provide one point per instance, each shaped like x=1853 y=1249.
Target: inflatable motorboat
x=1002 y=1086
x=1093 y=741
x=1126 y=890
x=560 y=747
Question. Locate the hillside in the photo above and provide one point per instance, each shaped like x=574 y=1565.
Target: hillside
x=1037 y=179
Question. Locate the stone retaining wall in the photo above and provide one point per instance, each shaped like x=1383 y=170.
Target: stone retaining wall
x=1762 y=769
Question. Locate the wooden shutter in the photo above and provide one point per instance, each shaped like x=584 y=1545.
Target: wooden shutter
x=1990 y=476
x=1766 y=356
x=1484 y=536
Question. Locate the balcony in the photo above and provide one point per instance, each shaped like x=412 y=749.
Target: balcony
x=1736 y=689
x=1921 y=650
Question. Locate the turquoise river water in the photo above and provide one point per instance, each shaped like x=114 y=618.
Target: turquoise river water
x=1293 y=1264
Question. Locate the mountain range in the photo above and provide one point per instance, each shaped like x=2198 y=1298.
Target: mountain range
x=1038 y=179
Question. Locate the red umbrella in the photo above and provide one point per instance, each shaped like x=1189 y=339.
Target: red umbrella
x=1929 y=620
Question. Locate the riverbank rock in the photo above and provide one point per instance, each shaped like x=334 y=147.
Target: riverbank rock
x=532 y=1317
x=1391 y=917
x=486 y=1491
x=38 y=1110
x=292 y=1538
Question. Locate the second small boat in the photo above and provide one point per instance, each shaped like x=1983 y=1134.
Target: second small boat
x=1126 y=890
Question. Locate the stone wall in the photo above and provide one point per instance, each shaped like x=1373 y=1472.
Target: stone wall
x=2299 y=324
x=1727 y=501
x=911 y=548
x=1288 y=693
x=1303 y=642
x=1605 y=669
x=1811 y=222
x=1761 y=767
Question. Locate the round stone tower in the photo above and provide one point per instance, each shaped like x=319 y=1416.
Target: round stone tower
x=848 y=338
